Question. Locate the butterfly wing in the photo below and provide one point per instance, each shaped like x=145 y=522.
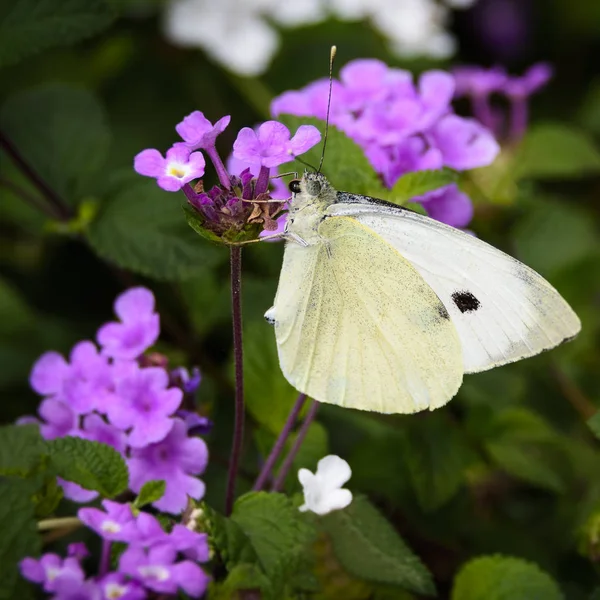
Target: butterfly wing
x=503 y=310
x=357 y=326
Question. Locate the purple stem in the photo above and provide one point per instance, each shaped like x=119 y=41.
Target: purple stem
x=279 y=444
x=483 y=111
x=238 y=356
x=219 y=167
x=104 y=558
x=519 y=116
x=262 y=182
x=289 y=459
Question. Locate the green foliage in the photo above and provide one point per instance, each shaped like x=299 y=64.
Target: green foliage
x=62 y=132
x=504 y=578
x=524 y=445
x=368 y=547
x=556 y=151
x=30 y=26
x=92 y=465
x=151 y=491
x=19 y=534
x=141 y=228
x=21 y=449
x=418 y=183
x=594 y=424
x=345 y=164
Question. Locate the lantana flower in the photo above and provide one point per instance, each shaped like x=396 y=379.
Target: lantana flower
x=174 y=170
x=323 y=490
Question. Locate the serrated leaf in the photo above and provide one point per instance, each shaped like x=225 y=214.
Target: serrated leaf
x=525 y=446
x=62 y=132
x=269 y=397
x=556 y=151
x=504 y=578
x=30 y=26
x=21 y=449
x=142 y=229
x=151 y=491
x=436 y=457
x=48 y=497
x=92 y=465
x=418 y=183
x=19 y=534
x=278 y=532
x=345 y=164
x=554 y=236
x=594 y=424
x=369 y=548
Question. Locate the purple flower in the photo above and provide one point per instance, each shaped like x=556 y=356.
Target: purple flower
x=535 y=78
x=95 y=428
x=448 y=205
x=182 y=378
x=173 y=172
x=59 y=419
x=191 y=544
x=115 y=586
x=312 y=100
x=477 y=81
x=72 y=588
x=195 y=423
x=464 y=143
x=116 y=524
x=175 y=459
x=271 y=146
x=75 y=492
x=48 y=568
x=78 y=550
x=198 y=132
x=145 y=404
x=157 y=570
x=139 y=327
x=48 y=373
x=149 y=531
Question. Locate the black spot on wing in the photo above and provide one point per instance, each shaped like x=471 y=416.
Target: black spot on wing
x=465 y=301
x=444 y=314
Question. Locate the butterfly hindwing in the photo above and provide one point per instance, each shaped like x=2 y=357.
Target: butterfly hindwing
x=503 y=310
x=357 y=326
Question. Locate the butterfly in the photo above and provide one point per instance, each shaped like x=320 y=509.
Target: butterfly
x=383 y=309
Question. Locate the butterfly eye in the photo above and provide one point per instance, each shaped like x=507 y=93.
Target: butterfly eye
x=294 y=186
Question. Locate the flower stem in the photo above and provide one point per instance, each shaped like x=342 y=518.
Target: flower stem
x=224 y=179
x=58 y=523
x=236 y=314
x=289 y=459
x=104 y=558
x=279 y=444
x=60 y=208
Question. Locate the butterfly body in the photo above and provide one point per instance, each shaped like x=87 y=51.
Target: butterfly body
x=379 y=308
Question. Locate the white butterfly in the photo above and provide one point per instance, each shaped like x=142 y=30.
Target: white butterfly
x=379 y=308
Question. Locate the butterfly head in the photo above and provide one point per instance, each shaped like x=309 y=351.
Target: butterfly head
x=311 y=186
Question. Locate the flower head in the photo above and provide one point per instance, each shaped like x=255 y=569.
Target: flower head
x=138 y=328
x=173 y=171
x=116 y=524
x=49 y=568
x=535 y=78
x=175 y=459
x=323 y=490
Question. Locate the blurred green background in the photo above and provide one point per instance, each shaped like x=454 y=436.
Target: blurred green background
x=510 y=465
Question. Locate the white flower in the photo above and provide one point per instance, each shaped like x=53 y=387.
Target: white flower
x=323 y=491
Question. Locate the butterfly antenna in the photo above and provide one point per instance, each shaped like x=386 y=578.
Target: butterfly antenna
x=331 y=59
x=307 y=164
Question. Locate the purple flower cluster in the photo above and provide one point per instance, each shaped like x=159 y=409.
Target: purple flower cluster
x=402 y=127
x=154 y=560
x=228 y=207
x=116 y=395
x=479 y=85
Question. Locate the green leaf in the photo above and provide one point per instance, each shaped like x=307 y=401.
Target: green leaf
x=556 y=151
x=245 y=576
x=278 y=532
x=269 y=397
x=92 y=465
x=62 y=132
x=525 y=446
x=151 y=491
x=369 y=548
x=345 y=164
x=437 y=458
x=504 y=578
x=418 y=183
x=21 y=449
x=142 y=229
x=19 y=534
x=30 y=26
x=594 y=424
x=554 y=236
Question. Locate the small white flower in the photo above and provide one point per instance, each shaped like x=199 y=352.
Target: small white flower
x=323 y=490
